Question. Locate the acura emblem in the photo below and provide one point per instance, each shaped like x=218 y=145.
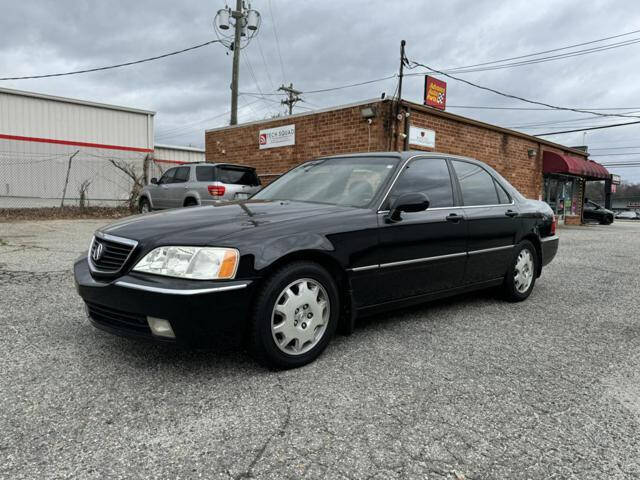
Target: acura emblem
x=97 y=252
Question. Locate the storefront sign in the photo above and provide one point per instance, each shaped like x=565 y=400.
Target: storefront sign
x=422 y=137
x=615 y=179
x=435 y=92
x=277 y=137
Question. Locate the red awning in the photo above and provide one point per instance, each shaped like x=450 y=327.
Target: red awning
x=553 y=162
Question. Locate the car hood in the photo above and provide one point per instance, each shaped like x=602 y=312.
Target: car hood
x=205 y=225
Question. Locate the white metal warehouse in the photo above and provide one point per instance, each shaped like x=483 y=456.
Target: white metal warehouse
x=44 y=139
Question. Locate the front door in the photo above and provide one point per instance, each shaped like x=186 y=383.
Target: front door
x=177 y=188
x=160 y=192
x=493 y=221
x=425 y=252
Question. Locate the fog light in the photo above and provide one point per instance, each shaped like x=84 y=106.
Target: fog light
x=161 y=327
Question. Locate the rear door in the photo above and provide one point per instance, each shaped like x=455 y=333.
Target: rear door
x=425 y=252
x=239 y=182
x=493 y=221
x=160 y=192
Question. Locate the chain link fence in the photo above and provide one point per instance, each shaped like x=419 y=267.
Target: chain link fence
x=80 y=177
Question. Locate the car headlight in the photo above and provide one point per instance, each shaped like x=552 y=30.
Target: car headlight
x=197 y=263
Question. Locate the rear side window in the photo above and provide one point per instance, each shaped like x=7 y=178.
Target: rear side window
x=182 y=175
x=478 y=187
x=429 y=176
x=237 y=176
x=205 y=173
x=502 y=194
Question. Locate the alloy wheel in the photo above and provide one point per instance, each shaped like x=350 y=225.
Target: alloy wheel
x=523 y=273
x=300 y=316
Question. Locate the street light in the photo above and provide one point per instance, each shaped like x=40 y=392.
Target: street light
x=246 y=23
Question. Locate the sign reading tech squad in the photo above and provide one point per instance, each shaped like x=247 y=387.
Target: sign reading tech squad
x=277 y=137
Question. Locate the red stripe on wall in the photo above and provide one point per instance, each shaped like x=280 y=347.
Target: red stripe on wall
x=70 y=142
x=179 y=162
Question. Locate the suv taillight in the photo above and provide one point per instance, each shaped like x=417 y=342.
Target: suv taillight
x=554 y=223
x=216 y=190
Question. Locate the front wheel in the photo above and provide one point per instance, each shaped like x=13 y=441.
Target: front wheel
x=295 y=316
x=521 y=276
x=145 y=207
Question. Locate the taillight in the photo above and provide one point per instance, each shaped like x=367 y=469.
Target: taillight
x=216 y=190
x=554 y=223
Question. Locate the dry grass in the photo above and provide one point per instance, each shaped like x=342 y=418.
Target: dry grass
x=18 y=214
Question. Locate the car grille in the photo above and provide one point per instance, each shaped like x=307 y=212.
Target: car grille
x=112 y=257
x=118 y=319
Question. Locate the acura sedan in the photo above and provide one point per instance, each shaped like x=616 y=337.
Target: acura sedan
x=333 y=239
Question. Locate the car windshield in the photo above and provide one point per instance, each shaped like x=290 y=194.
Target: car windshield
x=349 y=181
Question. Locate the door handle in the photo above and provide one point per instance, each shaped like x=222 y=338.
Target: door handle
x=511 y=213
x=453 y=217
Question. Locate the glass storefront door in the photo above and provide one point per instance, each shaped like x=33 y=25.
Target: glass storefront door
x=558 y=193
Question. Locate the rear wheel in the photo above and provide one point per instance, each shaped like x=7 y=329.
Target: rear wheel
x=295 y=316
x=608 y=220
x=144 y=206
x=521 y=276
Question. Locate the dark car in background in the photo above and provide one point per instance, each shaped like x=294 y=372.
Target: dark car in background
x=597 y=213
x=331 y=240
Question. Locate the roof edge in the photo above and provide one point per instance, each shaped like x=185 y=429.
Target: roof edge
x=179 y=147
x=298 y=115
x=87 y=103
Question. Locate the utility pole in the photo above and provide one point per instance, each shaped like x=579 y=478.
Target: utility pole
x=237 y=14
x=293 y=96
x=401 y=73
x=246 y=23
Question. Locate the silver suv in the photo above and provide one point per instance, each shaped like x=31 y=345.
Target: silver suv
x=199 y=184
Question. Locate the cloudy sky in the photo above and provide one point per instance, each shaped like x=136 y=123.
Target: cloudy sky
x=325 y=44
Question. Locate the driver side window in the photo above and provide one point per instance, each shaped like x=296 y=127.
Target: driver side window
x=425 y=175
x=167 y=177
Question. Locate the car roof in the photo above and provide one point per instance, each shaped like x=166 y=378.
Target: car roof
x=216 y=164
x=405 y=155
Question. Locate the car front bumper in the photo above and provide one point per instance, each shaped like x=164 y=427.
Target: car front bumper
x=549 y=248
x=199 y=312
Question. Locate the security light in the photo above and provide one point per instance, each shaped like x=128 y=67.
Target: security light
x=368 y=112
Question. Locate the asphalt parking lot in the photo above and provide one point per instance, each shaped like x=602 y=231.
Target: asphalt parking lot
x=471 y=387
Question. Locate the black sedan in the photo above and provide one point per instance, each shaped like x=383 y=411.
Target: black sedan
x=332 y=240
x=597 y=213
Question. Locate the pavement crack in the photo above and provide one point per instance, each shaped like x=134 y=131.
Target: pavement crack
x=280 y=432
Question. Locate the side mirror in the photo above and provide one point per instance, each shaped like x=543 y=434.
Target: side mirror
x=154 y=180
x=407 y=202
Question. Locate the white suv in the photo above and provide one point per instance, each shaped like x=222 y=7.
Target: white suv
x=199 y=184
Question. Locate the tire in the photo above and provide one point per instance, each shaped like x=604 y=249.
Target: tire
x=190 y=202
x=522 y=268
x=606 y=221
x=287 y=337
x=144 y=206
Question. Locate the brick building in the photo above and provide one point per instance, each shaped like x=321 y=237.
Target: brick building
x=536 y=167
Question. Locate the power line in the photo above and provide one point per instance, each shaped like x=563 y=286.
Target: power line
x=614 y=154
x=515 y=97
x=135 y=62
x=556 y=122
x=543 y=52
x=546 y=59
x=486 y=107
x=264 y=62
x=588 y=128
x=323 y=90
x=613 y=148
x=275 y=34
